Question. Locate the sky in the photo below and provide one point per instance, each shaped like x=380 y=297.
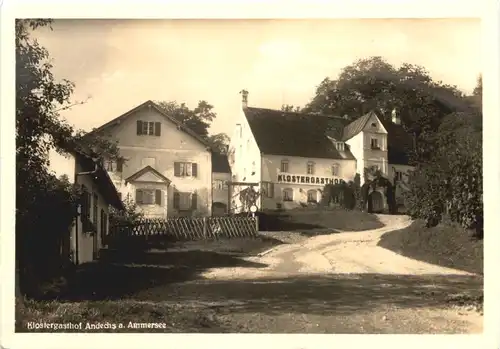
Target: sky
x=119 y=64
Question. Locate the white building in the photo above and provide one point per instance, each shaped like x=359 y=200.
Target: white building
x=91 y=225
x=167 y=169
x=291 y=156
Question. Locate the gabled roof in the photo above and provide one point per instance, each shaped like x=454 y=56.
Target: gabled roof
x=356 y=126
x=147 y=169
x=154 y=106
x=296 y=134
x=220 y=163
x=310 y=135
x=100 y=177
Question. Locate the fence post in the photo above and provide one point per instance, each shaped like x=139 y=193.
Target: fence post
x=205 y=227
x=256 y=224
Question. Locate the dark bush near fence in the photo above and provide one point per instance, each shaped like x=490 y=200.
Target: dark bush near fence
x=42 y=235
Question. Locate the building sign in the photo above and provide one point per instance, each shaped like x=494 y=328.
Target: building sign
x=308 y=179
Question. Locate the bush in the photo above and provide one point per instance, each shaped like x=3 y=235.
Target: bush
x=449 y=182
x=43 y=231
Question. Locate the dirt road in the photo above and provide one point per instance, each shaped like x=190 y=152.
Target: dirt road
x=339 y=283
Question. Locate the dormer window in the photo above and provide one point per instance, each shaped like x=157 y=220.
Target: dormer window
x=340 y=146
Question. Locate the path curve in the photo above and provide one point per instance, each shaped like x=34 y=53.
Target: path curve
x=343 y=283
x=341 y=253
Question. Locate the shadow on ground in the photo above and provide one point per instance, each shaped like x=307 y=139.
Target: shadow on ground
x=121 y=274
x=338 y=294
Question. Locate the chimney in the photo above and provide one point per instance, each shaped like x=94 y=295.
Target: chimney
x=395 y=117
x=244 y=98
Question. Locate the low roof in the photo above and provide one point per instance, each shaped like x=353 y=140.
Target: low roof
x=145 y=170
x=220 y=163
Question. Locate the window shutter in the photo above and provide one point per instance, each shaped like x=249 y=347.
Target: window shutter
x=158 y=197
x=139 y=127
x=88 y=204
x=194 y=170
x=271 y=190
x=138 y=196
x=194 y=201
x=177 y=199
x=119 y=165
x=177 y=169
x=157 y=128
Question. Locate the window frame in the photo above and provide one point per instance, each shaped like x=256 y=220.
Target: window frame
x=268 y=189
x=287 y=198
x=285 y=163
x=185 y=169
x=374 y=144
x=335 y=170
x=177 y=201
x=313 y=169
x=315 y=199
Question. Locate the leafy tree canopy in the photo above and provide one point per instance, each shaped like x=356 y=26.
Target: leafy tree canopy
x=374 y=84
x=198 y=119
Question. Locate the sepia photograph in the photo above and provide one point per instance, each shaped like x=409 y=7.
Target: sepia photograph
x=280 y=176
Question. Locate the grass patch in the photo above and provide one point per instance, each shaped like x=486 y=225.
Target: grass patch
x=447 y=245
x=116 y=316
x=316 y=221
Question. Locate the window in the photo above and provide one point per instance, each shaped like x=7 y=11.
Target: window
x=398 y=175
x=310 y=168
x=374 y=124
x=185 y=169
x=220 y=184
x=284 y=166
x=288 y=194
x=85 y=207
x=267 y=189
x=114 y=165
x=148 y=128
x=340 y=146
x=149 y=162
x=335 y=169
x=148 y=197
x=185 y=201
x=374 y=143
x=312 y=195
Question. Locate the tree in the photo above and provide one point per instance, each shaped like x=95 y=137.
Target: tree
x=373 y=84
x=197 y=119
x=45 y=205
x=450 y=182
x=478 y=90
x=290 y=108
x=219 y=142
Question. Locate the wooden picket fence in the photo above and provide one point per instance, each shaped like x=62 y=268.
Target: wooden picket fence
x=186 y=228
